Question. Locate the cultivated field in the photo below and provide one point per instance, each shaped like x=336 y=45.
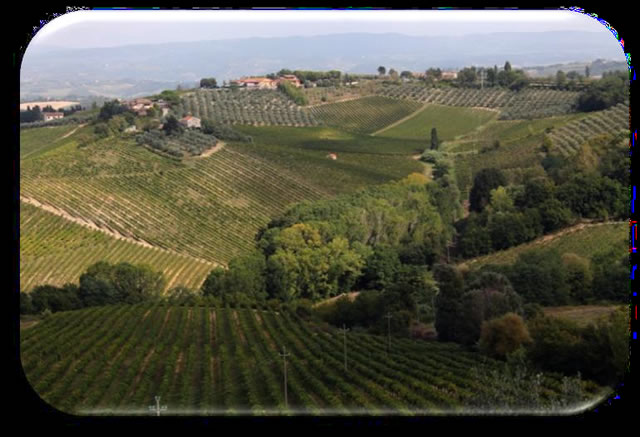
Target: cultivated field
x=205 y=360
x=568 y=138
x=365 y=115
x=56 y=251
x=252 y=107
x=361 y=160
x=524 y=104
x=449 y=121
x=208 y=208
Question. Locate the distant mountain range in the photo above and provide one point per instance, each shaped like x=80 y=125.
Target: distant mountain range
x=143 y=69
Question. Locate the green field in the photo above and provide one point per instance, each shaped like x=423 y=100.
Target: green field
x=361 y=161
x=583 y=240
x=56 y=251
x=365 y=115
x=37 y=141
x=206 y=360
x=450 y=122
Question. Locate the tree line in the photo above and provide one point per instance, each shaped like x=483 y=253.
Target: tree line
x=102 y=283
x=35 y=113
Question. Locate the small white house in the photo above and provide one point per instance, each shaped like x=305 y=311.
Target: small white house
x=48 y=116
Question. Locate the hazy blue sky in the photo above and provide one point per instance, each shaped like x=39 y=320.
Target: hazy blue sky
x=105 y=28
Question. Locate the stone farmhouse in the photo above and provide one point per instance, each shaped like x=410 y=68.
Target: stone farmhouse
x=190 y=121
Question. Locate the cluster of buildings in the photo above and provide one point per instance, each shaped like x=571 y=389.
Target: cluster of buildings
x=264 y=83
x=142 y=106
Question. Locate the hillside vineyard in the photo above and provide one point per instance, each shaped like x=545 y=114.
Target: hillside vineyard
x=322 y=243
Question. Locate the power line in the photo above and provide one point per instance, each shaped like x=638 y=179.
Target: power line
x=344 y=336
x=388 y=316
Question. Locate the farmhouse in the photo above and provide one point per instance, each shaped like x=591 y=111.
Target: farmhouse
x=52 y=115
x=292 y=79
x=190 y=121
x=449 y=75
x=266 y=83
x=256 y=83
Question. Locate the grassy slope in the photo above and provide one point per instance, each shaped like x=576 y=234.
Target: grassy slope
x=56 y=251
x=581 y=240
x=581 y=314
x=37 y=141
x=365 y=115
x=450 y=122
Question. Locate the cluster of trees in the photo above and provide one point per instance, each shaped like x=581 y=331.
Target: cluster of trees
x=31 y=115
x=485 y=309
x=610 y=90
x=598 y=351
x=393 y=74
x=112 y=108
x=208 y=82
x=295 y=94
x=504 y=216
x=224 y=131
x=547 y=277
x=101 y=284
x=322 y=249
x=311 y=78
x=170 y=96
x=507 y=77
x=463 y=304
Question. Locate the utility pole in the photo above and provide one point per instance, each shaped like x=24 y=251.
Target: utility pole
x=284 y=355
x=344 y=336
x=157 y=408
x=388 y=317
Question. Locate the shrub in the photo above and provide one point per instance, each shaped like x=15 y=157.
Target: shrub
x=504 y=335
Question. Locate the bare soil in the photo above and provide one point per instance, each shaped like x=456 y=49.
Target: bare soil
x=218 y=147
x=54 y=104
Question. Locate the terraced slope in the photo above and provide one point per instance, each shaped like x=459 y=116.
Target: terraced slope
x=252 y=107
x=365 y=115
x=568 y=138
x=207 y=208
x=205 y=360
x=55 y=251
